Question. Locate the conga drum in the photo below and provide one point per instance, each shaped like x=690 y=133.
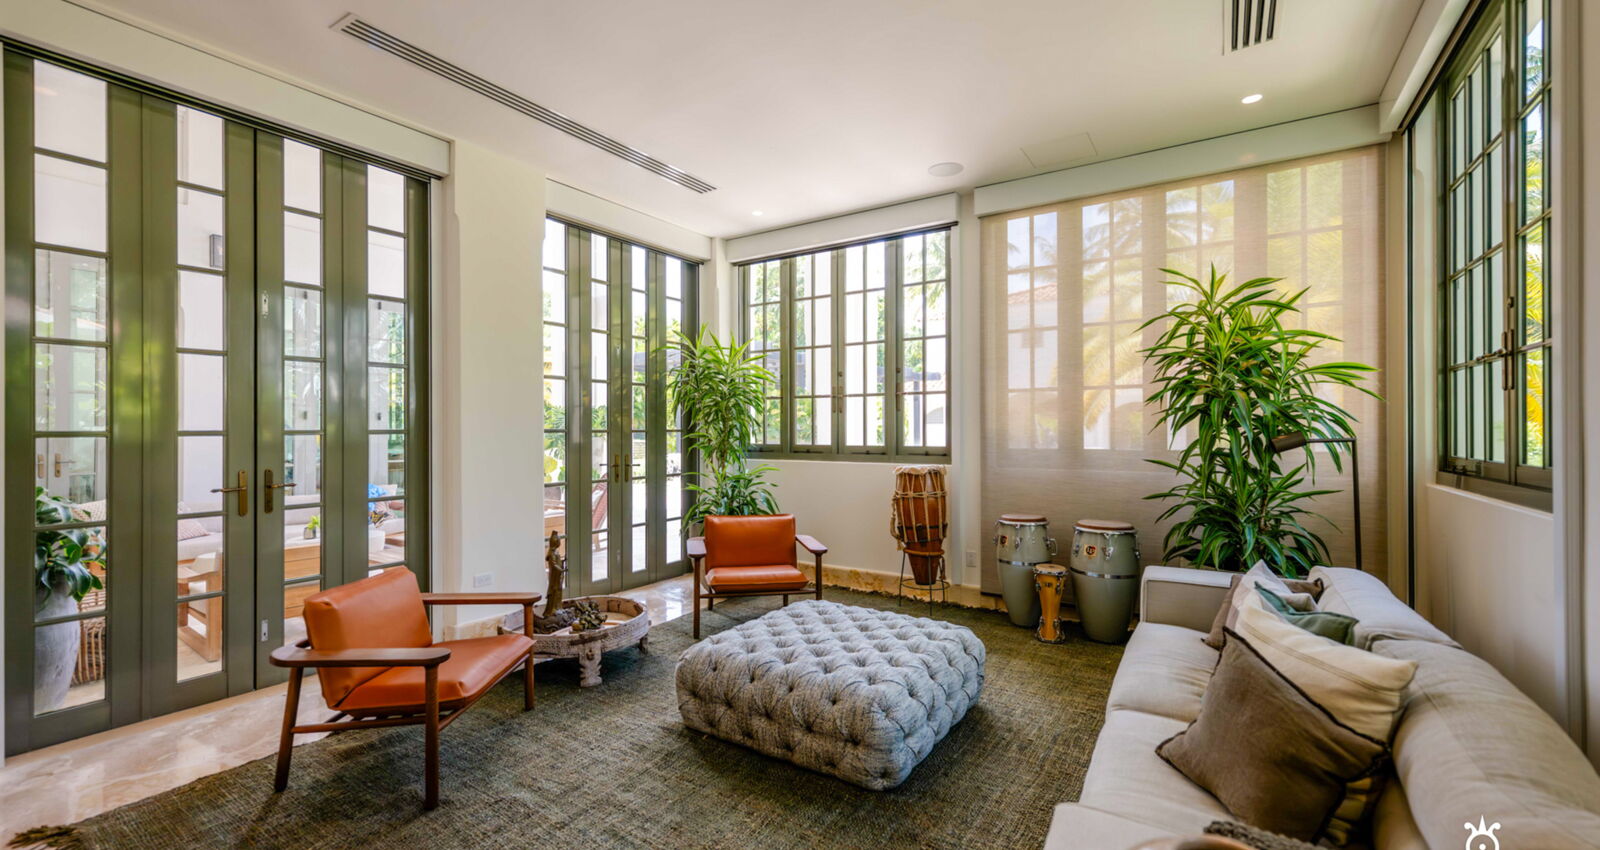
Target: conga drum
x=1050 y=580
x=1105 y=577
x=1021 y=542
x=919 y=519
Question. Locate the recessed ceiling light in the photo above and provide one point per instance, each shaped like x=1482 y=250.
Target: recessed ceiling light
x=946 y=169
x=756 y=212
x=1250 y=98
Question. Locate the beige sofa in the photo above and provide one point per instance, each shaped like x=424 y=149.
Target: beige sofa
x=1469 y=745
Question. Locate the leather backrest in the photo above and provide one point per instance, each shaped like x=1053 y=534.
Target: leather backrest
x=384 y=611
x=749 y=541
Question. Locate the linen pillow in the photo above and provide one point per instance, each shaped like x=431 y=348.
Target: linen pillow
x=1301 y=595
x=1363 y=691
x=1328 y=624
x=189 y=529
x=1264 y=748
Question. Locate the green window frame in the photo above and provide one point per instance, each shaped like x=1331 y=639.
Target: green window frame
x=859 y=338
x=1496 y=335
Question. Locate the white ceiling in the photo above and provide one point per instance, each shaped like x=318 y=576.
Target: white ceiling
x=809 y=109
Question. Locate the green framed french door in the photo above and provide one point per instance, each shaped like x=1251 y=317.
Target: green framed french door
x=215 y=361
x=614 y=454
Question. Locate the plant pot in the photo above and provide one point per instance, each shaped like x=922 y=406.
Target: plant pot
x=311 y=534
x=55 y=652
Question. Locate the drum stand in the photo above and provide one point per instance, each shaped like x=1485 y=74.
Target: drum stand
x=940 y=584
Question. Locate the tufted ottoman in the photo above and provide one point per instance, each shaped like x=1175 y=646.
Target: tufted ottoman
x=854 y=692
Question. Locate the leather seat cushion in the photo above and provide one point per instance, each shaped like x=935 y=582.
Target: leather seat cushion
x=738 y=541
x=776 y=578
x=382 y=611
x=474 y=665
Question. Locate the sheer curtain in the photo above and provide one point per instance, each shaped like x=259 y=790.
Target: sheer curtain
x=1065 y=428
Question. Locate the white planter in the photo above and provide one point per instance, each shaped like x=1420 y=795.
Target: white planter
x=55 y=653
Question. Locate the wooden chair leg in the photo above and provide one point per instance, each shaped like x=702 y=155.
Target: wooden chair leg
x=785 y=601
x=819 y=577
x=291 y=711
x=527 y=679
x=430 y=767
x=697 y=610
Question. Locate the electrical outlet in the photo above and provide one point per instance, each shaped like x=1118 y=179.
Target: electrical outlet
x=972 y=560
x=483 y=580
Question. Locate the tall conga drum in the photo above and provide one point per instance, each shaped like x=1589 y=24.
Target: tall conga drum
x=1021 y=542
x=919 y=518
x=1105 y=577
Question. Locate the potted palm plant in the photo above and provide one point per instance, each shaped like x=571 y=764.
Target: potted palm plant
x=62 y=558
x=1230 y=375
x=719 y=389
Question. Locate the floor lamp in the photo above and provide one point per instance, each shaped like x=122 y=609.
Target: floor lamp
x=1290 y=442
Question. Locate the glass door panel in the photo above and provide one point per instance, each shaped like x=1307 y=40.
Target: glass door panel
x=608 y=308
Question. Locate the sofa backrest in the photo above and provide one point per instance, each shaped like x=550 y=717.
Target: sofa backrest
x=1379 y=613
x=1470 y=746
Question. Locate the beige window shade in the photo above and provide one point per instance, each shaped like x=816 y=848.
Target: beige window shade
x=1065 y=428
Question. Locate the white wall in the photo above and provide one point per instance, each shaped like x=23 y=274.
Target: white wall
x=1588 y=100
x=1490 y=574
x=487 y=377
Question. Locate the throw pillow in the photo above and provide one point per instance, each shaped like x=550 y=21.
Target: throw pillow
x=1362 y=691
x=1264 y=748
x=1302 y=595
x=1336 y=627
x=189 y=529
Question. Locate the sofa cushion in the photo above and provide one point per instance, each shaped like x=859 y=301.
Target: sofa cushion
x=1076 y=827
x=1127 y=777
x=1393 y=828
x=1470 y=746
x=1164 y=671
x=1380 y=613
x=1269 y=751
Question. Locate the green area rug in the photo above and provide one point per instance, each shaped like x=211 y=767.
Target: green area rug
x=613 y=766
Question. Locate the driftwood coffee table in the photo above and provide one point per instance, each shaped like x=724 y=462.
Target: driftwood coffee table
x=627 y=624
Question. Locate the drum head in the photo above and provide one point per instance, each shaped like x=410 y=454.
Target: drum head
x=1024 y=519
x=1049 y=570
x=1105 y=525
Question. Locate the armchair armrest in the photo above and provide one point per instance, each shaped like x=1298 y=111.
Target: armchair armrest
x=508 y=598
x=695 y=547
x=811 y=544
x=294 y=656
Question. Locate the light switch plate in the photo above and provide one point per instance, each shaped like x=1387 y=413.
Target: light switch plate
x=483 y=580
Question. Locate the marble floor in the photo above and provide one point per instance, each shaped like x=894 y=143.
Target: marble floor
x=82 y=778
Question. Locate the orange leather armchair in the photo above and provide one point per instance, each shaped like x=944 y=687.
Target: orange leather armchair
x=750 y=556
x=379 y=666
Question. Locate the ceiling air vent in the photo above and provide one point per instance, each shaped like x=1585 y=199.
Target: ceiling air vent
x=365 y=32
x=1250 y=22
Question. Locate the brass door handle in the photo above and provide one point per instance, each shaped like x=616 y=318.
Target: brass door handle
x=266 y=490
x=243 y=490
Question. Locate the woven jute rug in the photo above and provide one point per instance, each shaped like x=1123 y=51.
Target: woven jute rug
x=613 y=766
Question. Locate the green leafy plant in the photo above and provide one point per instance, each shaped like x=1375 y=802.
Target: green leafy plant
x=1230 y=375
x=719 y=389
x=62 y=557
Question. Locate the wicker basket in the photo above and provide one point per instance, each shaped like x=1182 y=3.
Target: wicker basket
x=92 y=648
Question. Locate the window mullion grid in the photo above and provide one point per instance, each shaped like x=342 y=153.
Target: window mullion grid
x=894 y=340
x=836 y=341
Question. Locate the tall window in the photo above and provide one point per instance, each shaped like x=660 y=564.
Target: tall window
x=1494 y=237
x=859 y=339
x=1068 y=287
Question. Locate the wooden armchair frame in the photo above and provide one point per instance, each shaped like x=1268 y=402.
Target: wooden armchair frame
x=301 y=656
x=696 y=550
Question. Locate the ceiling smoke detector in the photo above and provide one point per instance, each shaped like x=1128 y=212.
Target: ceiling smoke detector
x=946 y=169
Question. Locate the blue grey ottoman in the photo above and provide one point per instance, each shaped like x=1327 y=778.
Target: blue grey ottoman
x=854 y=692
